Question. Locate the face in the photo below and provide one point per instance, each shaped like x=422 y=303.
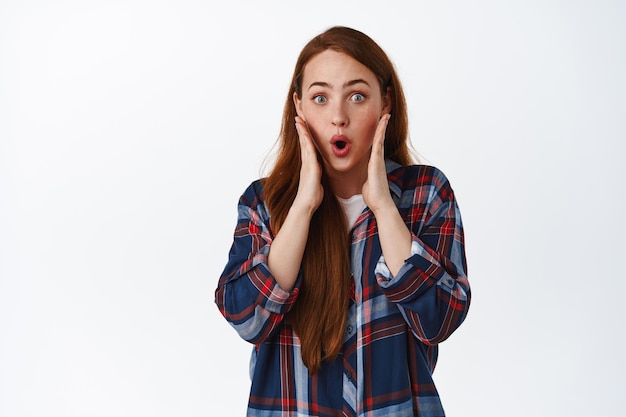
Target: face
x=341 y=103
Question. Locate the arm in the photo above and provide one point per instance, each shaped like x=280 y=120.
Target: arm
x=422 y=268
x=395 y=237
x=259 y=284
x=288 y=247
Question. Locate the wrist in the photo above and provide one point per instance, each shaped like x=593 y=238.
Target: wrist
x=386 y=209
x=302 y=210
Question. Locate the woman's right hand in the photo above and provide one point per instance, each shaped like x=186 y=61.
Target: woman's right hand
x=288 y=246
x=310 y=189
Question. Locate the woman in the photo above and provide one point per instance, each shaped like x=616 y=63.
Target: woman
x=348 y=263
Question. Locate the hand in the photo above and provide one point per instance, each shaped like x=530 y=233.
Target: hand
x=376 y=189
x=287 y=248
x=310 y=189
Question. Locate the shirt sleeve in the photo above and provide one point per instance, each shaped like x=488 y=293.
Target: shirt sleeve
x=431 y=289
x=247 y=295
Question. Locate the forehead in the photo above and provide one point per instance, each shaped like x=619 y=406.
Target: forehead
x=335 y=68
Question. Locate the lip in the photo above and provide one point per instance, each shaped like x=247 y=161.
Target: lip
x=340 y=145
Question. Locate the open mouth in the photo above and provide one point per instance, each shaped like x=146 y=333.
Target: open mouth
x=341 y=145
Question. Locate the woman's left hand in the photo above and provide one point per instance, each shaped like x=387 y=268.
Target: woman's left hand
x=376 y=188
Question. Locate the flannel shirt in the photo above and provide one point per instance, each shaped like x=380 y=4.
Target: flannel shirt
x=394 y=323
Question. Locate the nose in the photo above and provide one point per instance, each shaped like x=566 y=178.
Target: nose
x=339 y=115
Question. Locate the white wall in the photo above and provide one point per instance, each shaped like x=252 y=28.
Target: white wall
x=129 y=128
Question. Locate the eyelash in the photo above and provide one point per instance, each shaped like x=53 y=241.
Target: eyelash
x=316 y=99
x=363 y=97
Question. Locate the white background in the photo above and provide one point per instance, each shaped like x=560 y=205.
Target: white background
x=129 y=128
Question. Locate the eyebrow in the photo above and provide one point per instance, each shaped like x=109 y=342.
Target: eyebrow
x=347 y=84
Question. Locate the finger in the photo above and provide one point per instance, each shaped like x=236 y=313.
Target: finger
x=303 y=130
x=307 y=146
x=379 y=136
x=378 y=147
x=303 y=134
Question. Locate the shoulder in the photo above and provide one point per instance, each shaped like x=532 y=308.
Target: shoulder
x=417 y=177
x=253 y=198
x=252 y=204
x=421 y=189
x=253 y=194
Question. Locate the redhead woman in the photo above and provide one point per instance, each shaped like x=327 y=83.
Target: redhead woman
x=348 y=266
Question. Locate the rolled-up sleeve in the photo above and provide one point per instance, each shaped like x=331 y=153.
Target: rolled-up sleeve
x=431 y=289
x=247 y=295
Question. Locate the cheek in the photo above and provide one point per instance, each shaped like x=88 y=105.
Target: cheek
x=315 y=133
x=313 y=123
x=369 y=125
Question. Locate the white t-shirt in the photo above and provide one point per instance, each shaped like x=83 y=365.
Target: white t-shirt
x=353 y=207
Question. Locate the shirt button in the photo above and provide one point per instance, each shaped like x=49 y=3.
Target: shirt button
x=353 y=237
x=349 y=329
x=450 y=282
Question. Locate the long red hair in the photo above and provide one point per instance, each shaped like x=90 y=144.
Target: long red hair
x=319 y=315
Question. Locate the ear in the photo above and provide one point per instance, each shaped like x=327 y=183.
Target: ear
x=298 y=105
x=387 y=102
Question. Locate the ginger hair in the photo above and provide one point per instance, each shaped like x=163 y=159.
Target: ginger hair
x=319 y=314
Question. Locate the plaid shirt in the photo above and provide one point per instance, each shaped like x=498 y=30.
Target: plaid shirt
x=394 y=323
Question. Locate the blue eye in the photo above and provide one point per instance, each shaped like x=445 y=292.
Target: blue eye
x=319 y=99
x=358 y=97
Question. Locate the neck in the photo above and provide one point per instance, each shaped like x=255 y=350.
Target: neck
x=347 y=184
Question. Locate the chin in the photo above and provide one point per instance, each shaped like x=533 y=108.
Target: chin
x=339 y=165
